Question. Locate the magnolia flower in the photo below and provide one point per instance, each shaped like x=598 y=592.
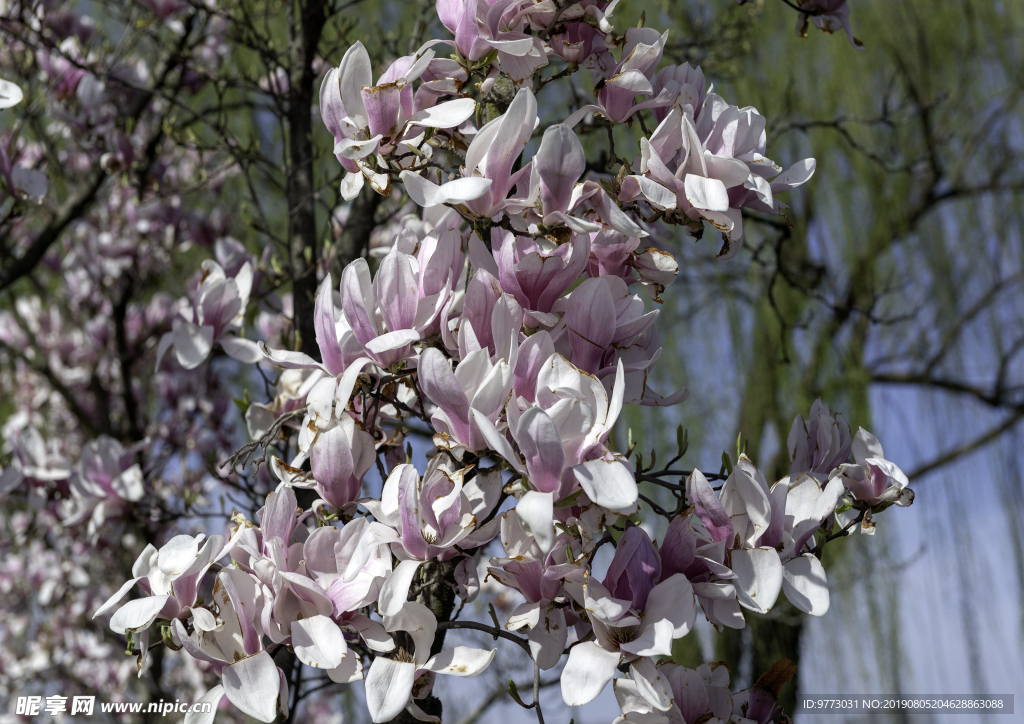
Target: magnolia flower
x=430 y=516
x=601 y=314
x=629 y=78
x=686 y=83
x=538 y=576
x=389 y=315
x=218 y=310
x=339 y=571
x=561 y=440
x=231 y=642
x=638 y=627
x=493 y=152
x=339 y=457
x=535 y=271
x=108 y=479
x=366 y=118
x=873 y=479
x=170 y=577
x=821 y=443
x=694 y=693
x=477 y=385
x=557 y=166
x=490 y=319
x=32 y=459
x=827 y=15
x=518 y=54
x=393 y=684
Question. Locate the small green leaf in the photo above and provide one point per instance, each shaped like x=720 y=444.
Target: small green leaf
x=726 y=463
x=682 y=440
x=513 y=691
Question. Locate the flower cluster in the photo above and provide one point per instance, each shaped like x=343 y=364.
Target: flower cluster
x=505 y=326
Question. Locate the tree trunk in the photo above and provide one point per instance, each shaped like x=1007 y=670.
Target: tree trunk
x=306 y=24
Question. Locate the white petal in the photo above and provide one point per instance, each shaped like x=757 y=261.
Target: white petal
x=650 y=683
x=536 y=513
x=396 y=589
x=706 y=193
x=587 y=672
x=805 y=585
x=416 y=620
x=212 y=697
x=243 y=350
x=654 y=640
x=610 y=484
x=318 y=642
x=192 y=344
x=10 y=94
x=445 y=115
x=759 y=576
x=350 y=669
x=253 y=685
x=388 y=688
x=137 y=614
x=461 y=661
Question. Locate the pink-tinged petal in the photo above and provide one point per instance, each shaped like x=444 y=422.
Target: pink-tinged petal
x=541 y=445
x=441 y=386
x=709 y=508
x=805 y=585
x=253 y=685
x=533 y=354
x=332 y=110
x=396 y=290
x=587 y=672
x=354 y=73
x=759 y=576
x=772 y=536
x=357 y=301
x=383 y=104
x=559 y=162
x=634 y=569
x=410 y=512
x=689 y=693
x=461 y=661
x=318 y=642
x=678 y=547
x=326 y=331
x=339 y=458
x=609 y=483
x=590 y=334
